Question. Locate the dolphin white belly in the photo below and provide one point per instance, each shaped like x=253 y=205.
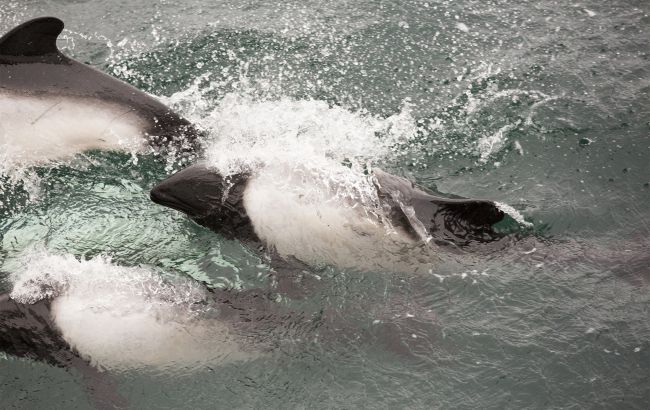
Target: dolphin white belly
x=129 y=317
x=127 y=331
x=328 y=217
x=37 y=129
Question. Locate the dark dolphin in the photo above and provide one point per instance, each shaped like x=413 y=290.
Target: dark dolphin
x=44 y=93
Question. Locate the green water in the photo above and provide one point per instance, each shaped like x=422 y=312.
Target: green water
x=541 y=105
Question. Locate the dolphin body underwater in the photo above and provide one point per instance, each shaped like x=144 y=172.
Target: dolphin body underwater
x=53 y=107
x=399 y=232
x=72 y=332
x=28 y=331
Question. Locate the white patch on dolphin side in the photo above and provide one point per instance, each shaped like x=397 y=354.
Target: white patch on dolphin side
x=128 y=317
x=130 y=331
x=37 y=129
x=328 y=216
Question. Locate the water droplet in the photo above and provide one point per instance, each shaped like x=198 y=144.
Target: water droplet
x=462 y=27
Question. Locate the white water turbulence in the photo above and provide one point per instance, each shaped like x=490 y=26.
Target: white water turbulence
x=514 y=214
x=122 y=318
x=254 y=133
x=312 y=194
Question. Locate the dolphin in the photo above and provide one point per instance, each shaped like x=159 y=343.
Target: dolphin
x=91 y=339
x=53 y=107
x=401 y=229
x=94 y=332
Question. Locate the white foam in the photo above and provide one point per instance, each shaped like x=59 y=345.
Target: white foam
x=514 y=214
x=462 y=27
x=492 y=142
x=127 y=317
x=252 y=133
x=11 y=176
x=489 y=144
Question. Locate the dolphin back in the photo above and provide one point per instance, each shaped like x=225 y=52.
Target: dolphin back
x=457 y=221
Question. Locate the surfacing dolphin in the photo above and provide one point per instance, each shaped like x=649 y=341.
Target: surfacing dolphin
x=53 y=107
x=316 y=225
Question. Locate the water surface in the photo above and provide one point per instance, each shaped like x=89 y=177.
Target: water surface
x=541 y=105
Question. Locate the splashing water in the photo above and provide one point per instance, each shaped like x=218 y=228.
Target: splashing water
x=515 y=102
x=251 y=133
x=42 y=275
x=514 y=214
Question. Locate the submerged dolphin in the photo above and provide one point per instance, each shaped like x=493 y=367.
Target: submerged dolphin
x=73 y=332
x=95 y=321
x=330 y=228
x=52 y=107
x=29 y=331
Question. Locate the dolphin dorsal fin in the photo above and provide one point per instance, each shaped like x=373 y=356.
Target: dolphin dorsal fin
x=35 y=37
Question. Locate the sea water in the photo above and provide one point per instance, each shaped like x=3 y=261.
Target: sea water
x=540 y=106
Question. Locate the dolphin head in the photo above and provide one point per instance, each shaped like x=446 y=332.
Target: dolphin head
x=208 y=198
x=195 y=190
